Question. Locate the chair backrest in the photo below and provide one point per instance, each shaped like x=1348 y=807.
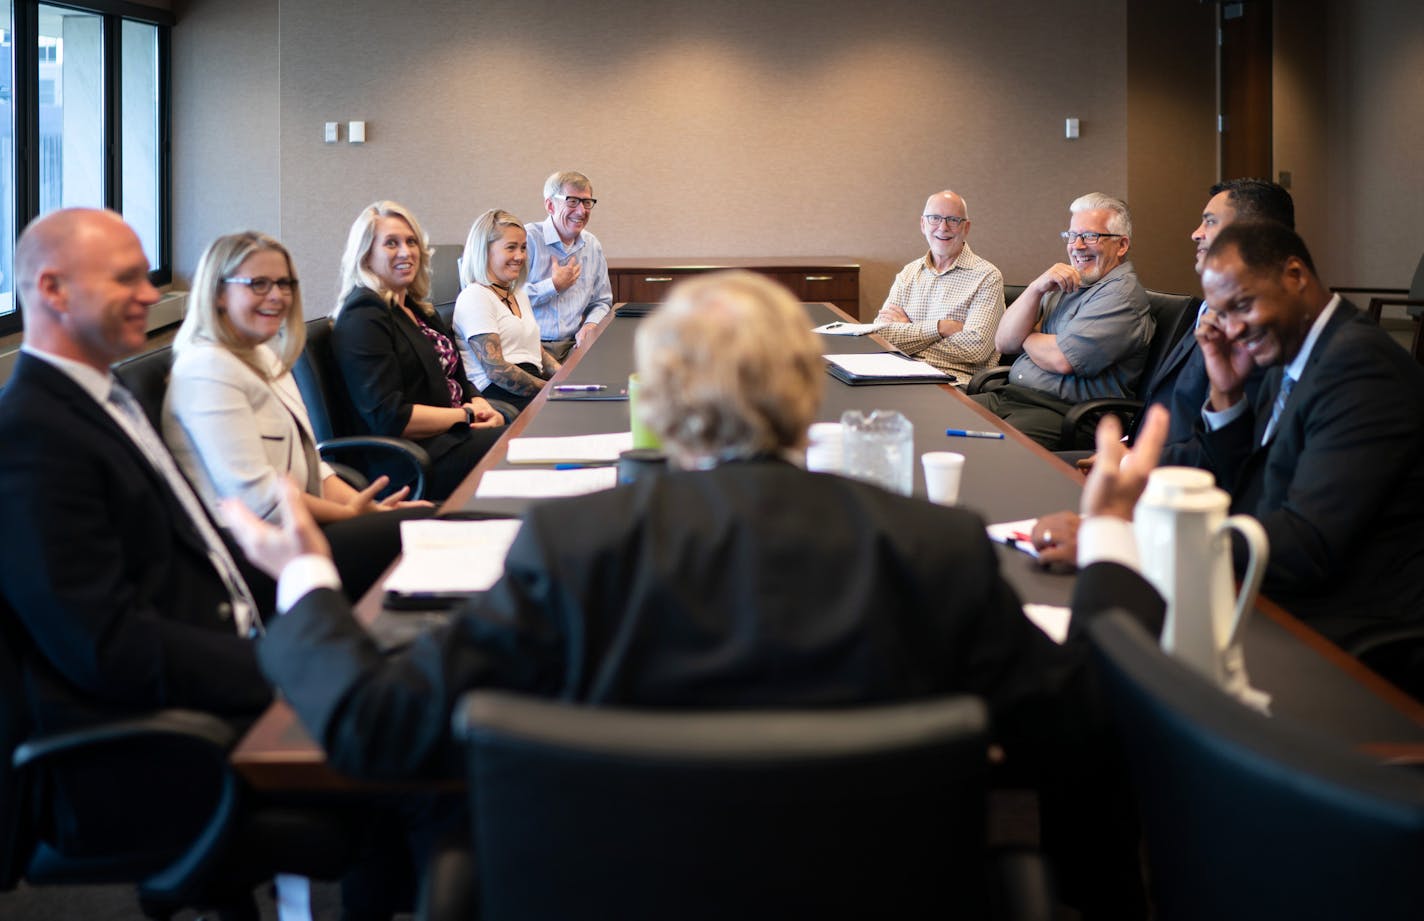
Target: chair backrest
x=1012 y=292
x=601 y=813
x=146 y=376
x=445 y=273
x=1416 y=287
x=1175 y=315
x=1251 y=817
x=315 y=373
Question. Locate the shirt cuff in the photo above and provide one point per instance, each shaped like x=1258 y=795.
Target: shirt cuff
x=306 y=573
x=1107 y=539
x=1220 y=420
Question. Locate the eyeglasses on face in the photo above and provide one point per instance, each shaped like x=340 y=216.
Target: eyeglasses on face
x=574 y=201
x=1090 y=237
x=936 y=219
x=262 y=284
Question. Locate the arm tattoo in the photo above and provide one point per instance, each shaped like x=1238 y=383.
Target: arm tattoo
x=511 y=377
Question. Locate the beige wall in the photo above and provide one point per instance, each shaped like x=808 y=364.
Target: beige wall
x=1171 y=135
x=1374 y=222
x=784 y=128
x=742 y=128
x=226 y=101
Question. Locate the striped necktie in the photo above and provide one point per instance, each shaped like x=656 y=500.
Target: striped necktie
x=1287 y=383
x=244 y=607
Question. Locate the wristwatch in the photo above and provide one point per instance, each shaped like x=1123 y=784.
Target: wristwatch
x=469 y=416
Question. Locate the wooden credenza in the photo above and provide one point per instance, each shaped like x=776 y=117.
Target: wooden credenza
x=810 y=278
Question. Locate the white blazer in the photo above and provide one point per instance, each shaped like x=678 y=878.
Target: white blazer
x=234 y=434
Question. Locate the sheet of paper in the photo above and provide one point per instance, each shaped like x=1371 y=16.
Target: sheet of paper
x=885 y=364
x=569 y=448
x=839 y=328
x=542 y=484
x=451 y=556
x=1015 y=534
x=1051 y=619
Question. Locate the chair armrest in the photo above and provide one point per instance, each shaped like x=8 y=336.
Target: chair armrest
x=1353 y=289
x=1377 y=305
x=1092 y=410
x=204 y=732
x=981 y=380
x=414 y=454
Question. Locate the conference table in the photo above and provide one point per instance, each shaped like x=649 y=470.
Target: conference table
x=1309 y=679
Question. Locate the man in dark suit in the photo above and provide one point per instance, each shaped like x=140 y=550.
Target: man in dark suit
x=126 y=600
x=737 y=580
x=1180 y=382
x=1328 y=457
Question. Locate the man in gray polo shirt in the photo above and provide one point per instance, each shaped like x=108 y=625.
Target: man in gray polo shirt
x=1083 y=326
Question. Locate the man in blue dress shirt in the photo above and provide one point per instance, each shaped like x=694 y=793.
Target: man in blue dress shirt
x=568 y=277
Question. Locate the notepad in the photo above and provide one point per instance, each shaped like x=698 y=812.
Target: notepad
x=451 y=557
x=544 y=484
x=884 y=368
x=569 y=449
x=839 y=328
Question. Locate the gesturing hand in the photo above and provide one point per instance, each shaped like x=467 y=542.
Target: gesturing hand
x=1119 y=475
x=268 y=546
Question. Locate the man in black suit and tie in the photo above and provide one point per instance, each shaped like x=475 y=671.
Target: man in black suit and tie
x=1180 y=382
x=737 y=579
x=124 y=596
x=1328 y=456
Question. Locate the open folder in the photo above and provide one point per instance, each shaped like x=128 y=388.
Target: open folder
x=884 y=368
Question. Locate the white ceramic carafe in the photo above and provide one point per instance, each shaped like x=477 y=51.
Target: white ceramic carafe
x=1184 y=539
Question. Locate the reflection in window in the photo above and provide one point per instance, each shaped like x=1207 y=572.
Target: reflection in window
x=72 y=129
x=139 y=133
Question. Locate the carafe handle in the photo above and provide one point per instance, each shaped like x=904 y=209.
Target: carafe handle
x=1259 y=551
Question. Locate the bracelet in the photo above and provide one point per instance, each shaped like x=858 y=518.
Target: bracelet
x=469 y=415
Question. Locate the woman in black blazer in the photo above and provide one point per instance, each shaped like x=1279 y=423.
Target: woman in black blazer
x=398 y=358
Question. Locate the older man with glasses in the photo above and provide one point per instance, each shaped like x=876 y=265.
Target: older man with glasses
x=1083 y=326
x=568 y=283
x=945 y=307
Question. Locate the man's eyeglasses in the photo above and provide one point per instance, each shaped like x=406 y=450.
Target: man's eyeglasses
x=936 y=219
x=1090 y=237
x=574 y=201
x=262 y=284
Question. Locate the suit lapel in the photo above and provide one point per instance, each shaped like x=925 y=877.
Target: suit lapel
x=65 y=391
x=425 y=352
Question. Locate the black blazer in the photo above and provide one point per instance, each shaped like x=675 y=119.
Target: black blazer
x=105 y=571
x=753 y=584
x=389 y=367
x=1340 y=487
x=1180 y=383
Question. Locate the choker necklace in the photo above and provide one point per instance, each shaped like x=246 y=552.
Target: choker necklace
x=502 y=293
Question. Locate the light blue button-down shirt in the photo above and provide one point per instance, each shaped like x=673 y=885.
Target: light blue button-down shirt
x=585 y=301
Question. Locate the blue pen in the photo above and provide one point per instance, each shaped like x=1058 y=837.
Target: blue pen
x=576 y=388
x=967 y=433
x=582 y=466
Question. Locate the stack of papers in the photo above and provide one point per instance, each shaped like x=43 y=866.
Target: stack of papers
x=1017 y=534
x=450 y=557
x=544 y=484
x=884 y=368
x=839 y=328
x=568 y=449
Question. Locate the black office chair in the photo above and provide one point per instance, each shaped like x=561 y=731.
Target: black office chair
x=590 y=812
x=231 y=848
x=1252 y=817
x=445 y=273
x=1174 y=315
x=328 y=407
x=146 y=377
x=1412 y=299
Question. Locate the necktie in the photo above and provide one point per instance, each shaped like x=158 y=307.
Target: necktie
x=1287 y=383
x=244 y=608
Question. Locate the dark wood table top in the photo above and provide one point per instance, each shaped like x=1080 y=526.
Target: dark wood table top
x=1310 y=679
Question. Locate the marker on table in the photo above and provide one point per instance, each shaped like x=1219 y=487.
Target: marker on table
x=577 y=388
x=967 y=433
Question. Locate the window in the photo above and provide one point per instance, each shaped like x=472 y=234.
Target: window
x=83 y=121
